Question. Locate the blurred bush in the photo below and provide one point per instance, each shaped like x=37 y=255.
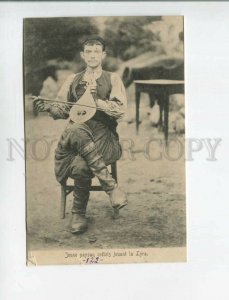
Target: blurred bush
x=52 y=38
x=127 y=37
x=111 y=63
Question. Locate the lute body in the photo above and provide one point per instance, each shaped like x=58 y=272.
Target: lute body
x=85 y=108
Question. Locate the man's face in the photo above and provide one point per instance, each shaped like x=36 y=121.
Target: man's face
x=93 y=55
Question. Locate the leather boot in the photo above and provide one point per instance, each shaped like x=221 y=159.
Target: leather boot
x=78 y=223
x=81 y=197
x=99 y=169
x=118 y=198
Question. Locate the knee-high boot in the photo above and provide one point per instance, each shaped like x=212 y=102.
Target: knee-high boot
x=99 y=169
x=80 y=201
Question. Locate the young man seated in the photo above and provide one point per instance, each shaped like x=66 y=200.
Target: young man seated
x=86 y=149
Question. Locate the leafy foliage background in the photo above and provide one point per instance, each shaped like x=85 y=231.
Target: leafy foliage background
x=59 y=38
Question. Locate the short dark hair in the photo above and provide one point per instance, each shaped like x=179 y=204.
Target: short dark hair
x=93 y=40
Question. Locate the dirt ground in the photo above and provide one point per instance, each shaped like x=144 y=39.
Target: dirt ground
x=155 y=216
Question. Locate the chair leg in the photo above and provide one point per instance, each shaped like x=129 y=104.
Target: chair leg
x=115 y=176
x=63 y=201
x=114 y=171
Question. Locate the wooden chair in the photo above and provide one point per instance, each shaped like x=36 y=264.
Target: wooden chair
x=66 y=189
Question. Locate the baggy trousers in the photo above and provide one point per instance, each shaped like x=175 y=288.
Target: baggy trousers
x=81 y=147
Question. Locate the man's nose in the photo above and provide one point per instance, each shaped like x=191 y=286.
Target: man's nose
x=93 y=54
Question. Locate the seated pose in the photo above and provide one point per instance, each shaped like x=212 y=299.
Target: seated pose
x=86 y=149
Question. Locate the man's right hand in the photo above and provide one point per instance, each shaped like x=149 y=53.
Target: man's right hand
x=41 y=105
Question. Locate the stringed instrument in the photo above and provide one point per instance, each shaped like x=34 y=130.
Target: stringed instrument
x=85 y=109
x=81 y=111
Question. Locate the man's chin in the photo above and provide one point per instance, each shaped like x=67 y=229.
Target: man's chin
x=93 y=65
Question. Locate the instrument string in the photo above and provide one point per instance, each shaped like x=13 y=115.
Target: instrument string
x=66 y=102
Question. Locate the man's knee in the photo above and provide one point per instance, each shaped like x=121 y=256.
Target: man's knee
x=81 y=130
x=80 y=169
x=81 y=137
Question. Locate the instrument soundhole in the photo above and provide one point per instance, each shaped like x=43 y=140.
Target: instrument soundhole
x=81 y=113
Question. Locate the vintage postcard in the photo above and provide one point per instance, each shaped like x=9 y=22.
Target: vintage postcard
x=104 y=134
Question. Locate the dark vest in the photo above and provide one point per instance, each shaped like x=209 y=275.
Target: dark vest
x=78 y=87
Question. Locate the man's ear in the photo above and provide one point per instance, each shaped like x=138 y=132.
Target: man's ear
x=82 y=55
x=104 y=54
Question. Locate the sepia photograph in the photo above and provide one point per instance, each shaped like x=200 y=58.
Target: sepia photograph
x=104 y=115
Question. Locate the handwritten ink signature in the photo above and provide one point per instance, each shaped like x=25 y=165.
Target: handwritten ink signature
x=92 y=260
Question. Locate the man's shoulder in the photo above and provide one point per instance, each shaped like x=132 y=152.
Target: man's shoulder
x=73 y=76
x=112 y=75
x=115 y=78
x=78 y=74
